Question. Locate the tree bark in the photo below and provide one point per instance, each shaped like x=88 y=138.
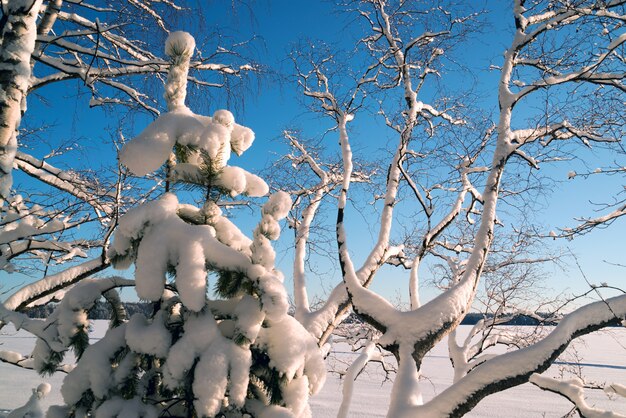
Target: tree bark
x=19 y=33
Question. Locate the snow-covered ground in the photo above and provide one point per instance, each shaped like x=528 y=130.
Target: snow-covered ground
x=603 y=354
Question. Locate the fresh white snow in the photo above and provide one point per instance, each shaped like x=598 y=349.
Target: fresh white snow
x=603 y=353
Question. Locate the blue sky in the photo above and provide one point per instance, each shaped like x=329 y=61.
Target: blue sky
x=275 y=106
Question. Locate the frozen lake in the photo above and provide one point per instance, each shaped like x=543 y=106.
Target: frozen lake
x=603 y=354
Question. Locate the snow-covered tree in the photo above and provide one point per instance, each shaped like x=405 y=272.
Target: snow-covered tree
x=195 y=355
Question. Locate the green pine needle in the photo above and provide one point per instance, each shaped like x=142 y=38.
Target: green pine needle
x=241 y=340
x=79 y=342
x=231 y=284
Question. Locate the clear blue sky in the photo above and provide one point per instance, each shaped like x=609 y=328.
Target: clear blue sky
x=280 y=24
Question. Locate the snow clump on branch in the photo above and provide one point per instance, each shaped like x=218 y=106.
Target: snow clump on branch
x=202 y=147
x=179 y=43
x=33 y=408
x=197 y=148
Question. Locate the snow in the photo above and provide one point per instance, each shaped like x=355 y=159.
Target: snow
x=278 y=205
x=179 y=46
x=179 y=43
x=11 y=356
x=273 y=411
x=603 y=362
x=228 y=233
x=200 y=332
x=57 y=332
x=125 y=408
x=21 y=21
x=233 y=179
x=95 y=371
x=523 y=362
x=23 y=227
x=33 y=408
x=273 y=294
x=241 y=139
x=6 y=165
x=367 y=353
x=296 y=355
x=405 y=392
x=616 y=389
x=148 y=338
x=216 y=137
x=572 y=389
x=603 y=354
x=296 y=396
x=151 y=148
x=225 y=118
x=218 y=358
x=210 y=381
x=203 y=144
x=249 y=317
x=274 y=298
x=189 y=248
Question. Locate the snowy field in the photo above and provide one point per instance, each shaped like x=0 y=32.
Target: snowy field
x=604 y=357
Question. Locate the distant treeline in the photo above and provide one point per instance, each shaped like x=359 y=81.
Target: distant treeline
x=473 y=317
x=102 y=310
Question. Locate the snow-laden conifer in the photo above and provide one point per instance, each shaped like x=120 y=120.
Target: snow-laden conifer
x=197 y=354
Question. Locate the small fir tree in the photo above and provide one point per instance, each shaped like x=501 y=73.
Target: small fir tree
x=240 y=354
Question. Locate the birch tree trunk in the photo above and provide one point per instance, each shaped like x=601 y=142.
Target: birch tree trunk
x=19 y=33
